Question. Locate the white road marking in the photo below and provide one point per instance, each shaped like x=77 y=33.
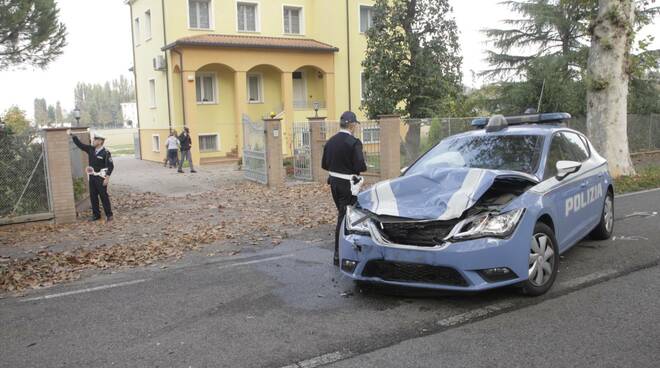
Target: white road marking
x=588 y=278
x=320 y=360
x=87 y=290
x=477 y=313
x=634 y=193
x=255 y=261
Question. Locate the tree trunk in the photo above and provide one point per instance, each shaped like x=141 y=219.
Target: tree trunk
x=607 y=83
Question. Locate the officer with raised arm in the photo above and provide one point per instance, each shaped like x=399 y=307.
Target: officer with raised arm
x=99 y=171
x=344 y=160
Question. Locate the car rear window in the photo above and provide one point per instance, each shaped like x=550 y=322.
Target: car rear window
x=497 y=152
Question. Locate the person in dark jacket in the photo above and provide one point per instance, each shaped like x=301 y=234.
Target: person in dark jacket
x=344 y=160
x=99 y=170
x=186 y=143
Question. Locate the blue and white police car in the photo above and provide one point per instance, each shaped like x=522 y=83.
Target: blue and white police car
x=483 y=209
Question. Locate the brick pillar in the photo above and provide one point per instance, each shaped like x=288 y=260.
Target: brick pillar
x=275 y=168
x=59 y=175
x=316 y=145
x=390 y=142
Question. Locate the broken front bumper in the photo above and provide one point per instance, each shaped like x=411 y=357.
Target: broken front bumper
x=469 y=265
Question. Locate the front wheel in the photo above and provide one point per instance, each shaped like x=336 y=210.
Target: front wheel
x=543 y=261
x=605 y=227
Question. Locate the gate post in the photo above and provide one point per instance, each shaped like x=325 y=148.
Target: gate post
x=274 y=165
x=390 y=146
x=59 y=175
x=316 y=148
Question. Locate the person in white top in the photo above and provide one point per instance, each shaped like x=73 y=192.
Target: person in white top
x=172 y=144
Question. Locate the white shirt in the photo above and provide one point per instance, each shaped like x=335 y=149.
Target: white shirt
x=172 y=142
x=345 y=131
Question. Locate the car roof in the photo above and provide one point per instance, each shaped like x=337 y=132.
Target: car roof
x=522 y=129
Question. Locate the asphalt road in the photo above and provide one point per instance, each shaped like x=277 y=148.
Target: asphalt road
x=290 y=307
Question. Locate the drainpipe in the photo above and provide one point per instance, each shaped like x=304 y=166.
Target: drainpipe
x=135 y=82
x=167 y=68
x=183 y=99
x=348 y=55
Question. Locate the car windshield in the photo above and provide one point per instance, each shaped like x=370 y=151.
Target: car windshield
x=497 y=152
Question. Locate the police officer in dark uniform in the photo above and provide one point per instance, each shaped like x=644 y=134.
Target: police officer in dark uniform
x=344 y=160
x=99 y=171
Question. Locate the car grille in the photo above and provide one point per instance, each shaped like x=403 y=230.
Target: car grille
x=413 y=272
x=423 y=234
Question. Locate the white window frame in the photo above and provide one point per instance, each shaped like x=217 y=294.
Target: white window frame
x=301 y=20
x=152 y=93
x=362 y=89
x=257 y=19
x=370 y=141
x=136 y=31
x=359 y=17
x=214 y=77
x=217 y=141
x=261 y=87
x=147 y=25
x=211 y=18
x=155 y=147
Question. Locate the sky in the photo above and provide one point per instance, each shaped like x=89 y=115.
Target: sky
x=99 y=50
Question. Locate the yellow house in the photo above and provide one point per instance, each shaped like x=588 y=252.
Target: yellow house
x=211 y=64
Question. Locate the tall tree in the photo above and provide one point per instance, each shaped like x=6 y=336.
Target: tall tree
x=30 y=33
x=51 y=115
x=59 y=117
x=412 y=64
x=16 y=120
x=40 y=112
x=607 y=82
x=100 y=104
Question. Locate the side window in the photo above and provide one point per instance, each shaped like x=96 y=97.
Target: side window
x=574 y=147
x=554 y=154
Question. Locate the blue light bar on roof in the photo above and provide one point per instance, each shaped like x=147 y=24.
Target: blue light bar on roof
x=549 y=117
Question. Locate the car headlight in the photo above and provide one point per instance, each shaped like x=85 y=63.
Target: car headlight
x=495 y=225
x=357 y=222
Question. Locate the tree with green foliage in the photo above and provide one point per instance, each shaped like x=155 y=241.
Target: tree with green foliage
x=15 y=119
x=412 y=65
x=40 y=112
x=100 y=104
x=59 y=117
x=30 y=33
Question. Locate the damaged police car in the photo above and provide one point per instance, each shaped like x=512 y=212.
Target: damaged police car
x=488 y=208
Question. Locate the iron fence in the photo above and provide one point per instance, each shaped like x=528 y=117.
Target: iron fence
x=301 y=149
x=24 y=190
x=643 y=131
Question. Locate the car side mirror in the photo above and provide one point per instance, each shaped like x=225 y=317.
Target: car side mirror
x=564 y=168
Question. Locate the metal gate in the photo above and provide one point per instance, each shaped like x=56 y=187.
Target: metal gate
x=24 y=190
x=302 y=151
x=254 y=151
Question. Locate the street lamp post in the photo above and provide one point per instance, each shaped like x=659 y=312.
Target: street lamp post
x=316 y=105
x=76 y=115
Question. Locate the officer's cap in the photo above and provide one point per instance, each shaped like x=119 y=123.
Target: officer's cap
x=97 y=136
x=348 y=117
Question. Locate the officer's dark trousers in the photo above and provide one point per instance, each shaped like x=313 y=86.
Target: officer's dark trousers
x=341 y=194
x=96 y=190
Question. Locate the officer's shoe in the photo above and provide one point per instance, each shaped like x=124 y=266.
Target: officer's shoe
x=193 y=171
x=108 y=219
x=180 y=171
x=94 y=218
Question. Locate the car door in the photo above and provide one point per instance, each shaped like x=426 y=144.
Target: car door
x=591 y=194
x=563 y=193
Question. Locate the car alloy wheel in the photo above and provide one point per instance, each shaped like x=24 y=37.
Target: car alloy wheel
x=608 y=213
x=541 y=260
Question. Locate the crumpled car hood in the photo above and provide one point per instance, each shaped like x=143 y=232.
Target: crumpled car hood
x=437 y=194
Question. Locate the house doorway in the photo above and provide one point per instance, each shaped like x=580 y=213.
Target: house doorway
x=299 y=90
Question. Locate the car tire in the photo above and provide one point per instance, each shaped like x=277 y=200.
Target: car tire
x=543 y=257
x=605 y=227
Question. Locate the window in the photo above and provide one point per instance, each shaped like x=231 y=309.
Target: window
x=371 y=135
x=247 y=17
x=147 y=24
x=155 y=143
x=292 y=20
x=254 y=88
x=208 y=142
x=205 y=85
x=152 y=93
x=136 y=31
x=366 y=18
x=199 y=14
x=363 y=86
x=575 y=146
